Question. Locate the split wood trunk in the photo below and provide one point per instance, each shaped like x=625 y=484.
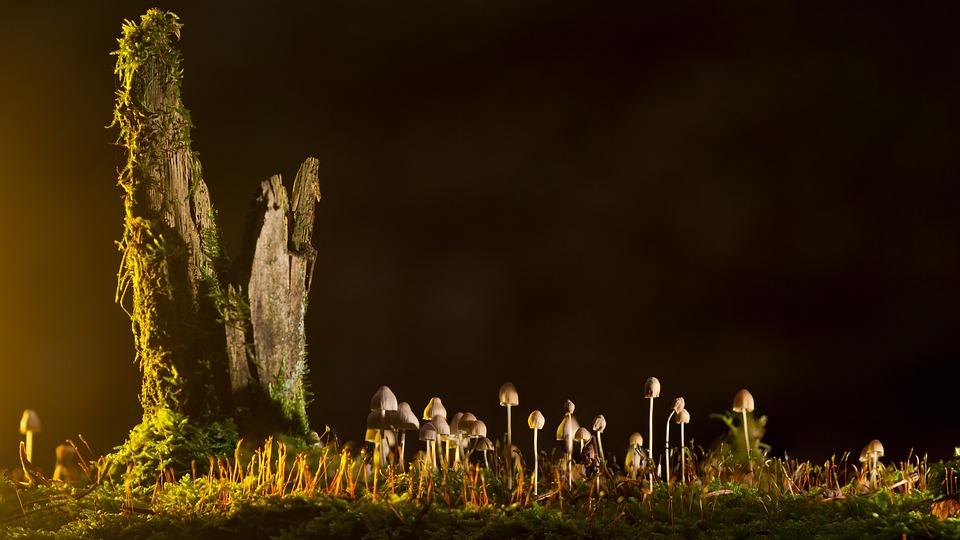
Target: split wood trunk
x=213 y=339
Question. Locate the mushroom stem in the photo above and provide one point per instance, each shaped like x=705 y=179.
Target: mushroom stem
x=29 y=445
x=508 y=447
x=536 y=461
x=600 y=448
x=650 y=442
x=666 y=453
x=746 y=438
x=683 y=456
x=403 y=444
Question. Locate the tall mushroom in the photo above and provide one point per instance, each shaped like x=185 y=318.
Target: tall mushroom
x=683 y=418
x=428 y=434
x=443 y=431
x=383 y=401
x=404 y=420
x=565 y=432
x=743 y=403
x=651 y=391
x=536 y=423
x=872 y=453
x=634 y=455
x=599 y=425
x=29 y=424
x=509 y=398
x=675 y=407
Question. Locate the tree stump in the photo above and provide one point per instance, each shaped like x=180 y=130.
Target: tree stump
x=214 y=340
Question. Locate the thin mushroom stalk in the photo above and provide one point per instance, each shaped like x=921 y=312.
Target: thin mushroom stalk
x=651 y=390
x=536 y=422
x=675 y=407
x=743 y=403
x=508 y=399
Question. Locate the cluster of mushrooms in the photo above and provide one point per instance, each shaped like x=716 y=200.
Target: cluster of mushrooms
x=450 y=442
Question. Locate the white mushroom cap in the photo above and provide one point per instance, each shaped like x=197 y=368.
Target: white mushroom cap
x=404 y=418
x=599 y=423
x=582 y=434
x=536 y=420
x=651 y=388
x=566 y=429
x=677 y=405
x=30 y=422
x=477 y=430
x=568 y=407
x=683 y=417
x=874 y=448
x=466 y=422
x=428 y=432
x=441 y=425
x=433 y=409
x=508 y=395
x=485 y=445
x=743 y=401
x=383 y=400
x=636 y=439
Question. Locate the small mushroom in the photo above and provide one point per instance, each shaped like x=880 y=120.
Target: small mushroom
x=29 y=424
x=443 y=432
x=634 y=455
x=403 y=421
x=651 y=391
x=675 y=406
x=485 y=445
x=599 y=425
x=743 y=403
x=582 y=436
x=428 y=434
x=536 y=423
x=434 y=408
x=565 y=432
x=383 y=401
x=683 y=418
x=68 y=467
x=509 y=398
x=872 y=453
x=476 y=431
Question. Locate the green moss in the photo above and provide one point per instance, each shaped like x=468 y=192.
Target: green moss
x=167 y=443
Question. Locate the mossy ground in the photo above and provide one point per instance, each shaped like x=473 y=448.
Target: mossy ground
x=329 y=493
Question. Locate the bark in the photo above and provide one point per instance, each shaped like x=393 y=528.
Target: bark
x=211 y=342
x=276 y=269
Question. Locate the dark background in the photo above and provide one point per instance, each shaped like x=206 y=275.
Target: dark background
x=569 y=197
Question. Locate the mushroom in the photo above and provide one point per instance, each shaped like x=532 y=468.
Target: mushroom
x=743 y=403
x=582 y=436
x=476 y=431
x=428 y=434
x=683 y=418
x=29 y=424
x=675 y=406
x=565 y=433
x=536 y=423
x=404 y=420
x=485 y=445
x=509 y=398
x=651 y=391
x=634 y=455
x=434 y=408
x=871 y=453
x=383 y=401
x=599 y=425
x=68 y=467
x=443 y=431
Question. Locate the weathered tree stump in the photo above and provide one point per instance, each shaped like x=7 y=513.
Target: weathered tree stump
x=214 y=340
